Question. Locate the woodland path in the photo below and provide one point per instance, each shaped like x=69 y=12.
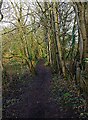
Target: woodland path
x=31 y=101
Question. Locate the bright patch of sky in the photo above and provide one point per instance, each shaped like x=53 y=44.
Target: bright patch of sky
x=53 y=0
x=8 y=13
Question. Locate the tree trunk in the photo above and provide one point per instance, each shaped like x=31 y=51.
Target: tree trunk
x=83 y=30
x=57 y=38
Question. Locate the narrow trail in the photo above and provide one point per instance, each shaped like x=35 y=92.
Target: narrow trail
x=36 y=102
x=35 y=98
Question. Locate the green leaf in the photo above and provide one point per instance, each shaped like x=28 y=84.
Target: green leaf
x=67 y=94
x=85 y=59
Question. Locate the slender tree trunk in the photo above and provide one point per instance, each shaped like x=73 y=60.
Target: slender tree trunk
x=86 y=19
x=57 y=38
x=52 y=42
x=83 y=30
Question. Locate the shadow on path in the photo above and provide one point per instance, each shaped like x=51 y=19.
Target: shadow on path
x=36 y=100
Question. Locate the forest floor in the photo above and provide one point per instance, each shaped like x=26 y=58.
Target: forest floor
x=63 y=100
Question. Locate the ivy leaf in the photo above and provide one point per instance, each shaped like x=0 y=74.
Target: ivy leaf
x=67 y=94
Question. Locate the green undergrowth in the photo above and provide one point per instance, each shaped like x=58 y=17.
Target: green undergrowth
x=68 y=96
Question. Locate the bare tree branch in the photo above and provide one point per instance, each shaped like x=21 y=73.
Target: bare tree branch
x=0 y=10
